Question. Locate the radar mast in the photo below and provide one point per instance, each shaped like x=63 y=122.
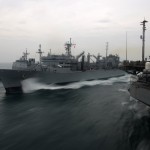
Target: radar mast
x=26 y=55
x=68 y=46
x=143 y=38
x=107 y=49
x=40 y=53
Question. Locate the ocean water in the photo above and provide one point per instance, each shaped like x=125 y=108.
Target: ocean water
x=5 y=65
x=89 y=115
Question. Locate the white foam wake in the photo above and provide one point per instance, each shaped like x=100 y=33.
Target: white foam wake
x=32 y=84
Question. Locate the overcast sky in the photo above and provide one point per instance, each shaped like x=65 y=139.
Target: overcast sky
x=90 y=24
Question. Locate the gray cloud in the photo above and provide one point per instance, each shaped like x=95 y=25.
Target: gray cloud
x=89 y=22
x=104 y=21
x=22 y=22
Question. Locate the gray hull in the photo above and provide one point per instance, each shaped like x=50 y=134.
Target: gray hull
x=141 y=92
x=11 y=79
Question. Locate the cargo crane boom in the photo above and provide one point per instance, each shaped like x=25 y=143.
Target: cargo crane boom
x=78 y=56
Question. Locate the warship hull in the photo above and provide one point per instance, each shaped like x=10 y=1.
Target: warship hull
x=12 y=79
x=141 y=92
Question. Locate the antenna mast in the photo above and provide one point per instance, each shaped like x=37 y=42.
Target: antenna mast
x=40 y=53
x=68 y=46
x=143 y=38
x=106 y=49
x=126 y=46
x=26 y=54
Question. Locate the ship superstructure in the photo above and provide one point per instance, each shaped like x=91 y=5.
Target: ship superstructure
x=65 y=62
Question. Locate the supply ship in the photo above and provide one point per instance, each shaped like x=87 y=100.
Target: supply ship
x=60 y=69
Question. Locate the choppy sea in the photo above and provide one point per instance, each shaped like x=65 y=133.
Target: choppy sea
x=89 y=115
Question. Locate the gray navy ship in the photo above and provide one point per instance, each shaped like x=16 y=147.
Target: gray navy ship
x=140 y=85
x=59 y=69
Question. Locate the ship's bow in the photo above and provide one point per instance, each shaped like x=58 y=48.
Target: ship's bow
x=11 y=79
